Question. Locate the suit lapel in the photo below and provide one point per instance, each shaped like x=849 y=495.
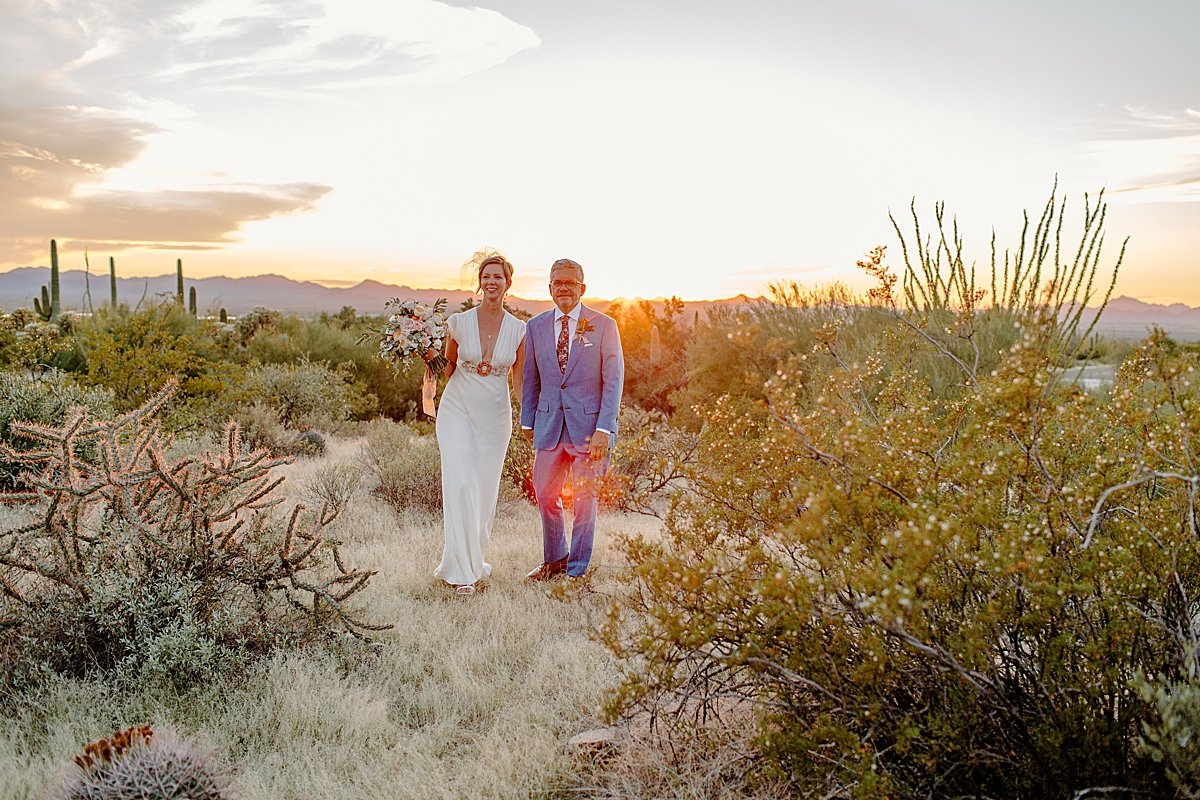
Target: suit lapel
x=552 y=339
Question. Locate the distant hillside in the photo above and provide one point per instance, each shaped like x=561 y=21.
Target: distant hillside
x=1125 y=317
x=1130 y=318
x=238 y=295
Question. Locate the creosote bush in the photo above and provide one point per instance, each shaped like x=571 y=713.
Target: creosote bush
x=650 y=463
x=141 y=567
x=937 y=569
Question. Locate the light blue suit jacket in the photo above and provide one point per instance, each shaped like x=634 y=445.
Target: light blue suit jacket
x=584 y=397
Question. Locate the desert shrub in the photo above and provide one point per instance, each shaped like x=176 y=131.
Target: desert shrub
x=346 y=319
x=283 y=407
x=717 y=760
x=645 y=470
x=332 y=485
x=654 y=344
x=406 y=467
x=649 y=463
x=1170 y=736
x=302 y=394
x=140 y=762
x=27 y=342
x=44 y=400
x=735 y=350
x=377 y=386
x=133 y=352
x=934 y=586
x=725 y=357
x=143 y=568
x=516 y=479
x=257 y=319
x=261 y=429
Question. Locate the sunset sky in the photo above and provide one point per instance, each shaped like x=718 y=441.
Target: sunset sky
x=696 y=148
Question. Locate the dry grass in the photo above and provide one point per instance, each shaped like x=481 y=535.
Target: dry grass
x=467 y=697
x=719 y=762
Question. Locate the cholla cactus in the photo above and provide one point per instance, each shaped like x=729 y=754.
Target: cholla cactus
x=141 y=764
x=112 y=503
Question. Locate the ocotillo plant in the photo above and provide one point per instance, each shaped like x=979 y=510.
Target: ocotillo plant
x=179 y=281
x=192 y=300
x=112 y=280
x=48 y=308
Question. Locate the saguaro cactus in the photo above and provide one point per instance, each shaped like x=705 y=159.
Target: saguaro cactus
x=49 y=307
x=179 y=281
x=192 y=300
x=112 y=280
x=654 y=345
x=224 y=317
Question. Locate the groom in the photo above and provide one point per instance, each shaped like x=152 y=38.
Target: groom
x=574 y=371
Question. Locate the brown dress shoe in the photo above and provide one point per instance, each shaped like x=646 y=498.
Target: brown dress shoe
x=548 y=570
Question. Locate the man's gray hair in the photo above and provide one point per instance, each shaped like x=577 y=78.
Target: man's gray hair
x=566 y=263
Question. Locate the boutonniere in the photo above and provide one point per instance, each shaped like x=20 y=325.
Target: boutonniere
x=583 y=326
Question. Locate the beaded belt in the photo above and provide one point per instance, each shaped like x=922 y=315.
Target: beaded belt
x=482 y=368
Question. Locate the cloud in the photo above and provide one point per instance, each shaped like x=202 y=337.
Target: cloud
x=87 y=85
x=172 y=216
x=1151 y=155
x=52 y=166
x=172 y=48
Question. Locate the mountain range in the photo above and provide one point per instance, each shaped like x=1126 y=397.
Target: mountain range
x=1125 y=317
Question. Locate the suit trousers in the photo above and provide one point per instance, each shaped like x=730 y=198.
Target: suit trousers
x=551 y=468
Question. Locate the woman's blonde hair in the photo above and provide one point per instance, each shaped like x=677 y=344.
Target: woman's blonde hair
x=481 y=259
x=505 y=266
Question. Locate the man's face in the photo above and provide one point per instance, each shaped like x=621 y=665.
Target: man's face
x=565 y=288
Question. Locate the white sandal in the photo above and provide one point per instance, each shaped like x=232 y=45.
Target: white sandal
x=465 y=590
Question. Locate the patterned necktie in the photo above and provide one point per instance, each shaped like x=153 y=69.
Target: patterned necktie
x=563 y=343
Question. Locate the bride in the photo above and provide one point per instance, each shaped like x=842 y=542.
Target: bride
x=474 y=422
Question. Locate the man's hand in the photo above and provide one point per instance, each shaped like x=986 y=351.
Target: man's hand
x=598 y=446
x=528 y=434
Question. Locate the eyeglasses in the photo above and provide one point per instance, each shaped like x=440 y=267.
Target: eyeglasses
x=564 y=284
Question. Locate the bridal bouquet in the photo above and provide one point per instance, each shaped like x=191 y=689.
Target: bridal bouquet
x=411 y=329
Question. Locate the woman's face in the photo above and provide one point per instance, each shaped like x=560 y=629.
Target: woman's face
x=492 y=282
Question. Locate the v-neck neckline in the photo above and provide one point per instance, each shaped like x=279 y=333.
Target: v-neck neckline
x=483 y=353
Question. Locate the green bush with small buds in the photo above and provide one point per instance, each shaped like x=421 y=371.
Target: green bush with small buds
x=934 y=567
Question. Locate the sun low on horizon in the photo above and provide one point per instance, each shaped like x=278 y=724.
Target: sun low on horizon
x=702 y=153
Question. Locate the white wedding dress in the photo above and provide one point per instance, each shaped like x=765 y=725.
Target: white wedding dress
x=474 y=424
